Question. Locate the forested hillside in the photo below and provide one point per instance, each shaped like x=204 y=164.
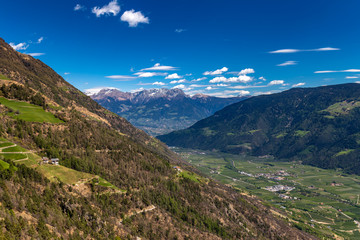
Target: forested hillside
x=319 y=126
x=113 y=181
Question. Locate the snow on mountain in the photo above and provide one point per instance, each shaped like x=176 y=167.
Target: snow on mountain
x=94 y=91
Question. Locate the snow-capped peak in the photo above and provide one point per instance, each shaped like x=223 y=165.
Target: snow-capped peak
x=94 y=91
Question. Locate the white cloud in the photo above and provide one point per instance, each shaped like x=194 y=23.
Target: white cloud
x=180 y=86
x=326 y=71
x=247 y=86
x=262 y=78
x=79 y=7
x=112 y=8
x=266 y=93
x=159 y=83
x=173 y=76
x=199 y=79
x=216 y=72
x=121 y=77
x=40 y=39
x=218 y=79
x=183 y=87
x=326 y=49
x=229 y=93
x=241 y=78
x=209 y=88
x=180 y=30
x=222 y=85
x=148 y=74
x=134 y=18
x=246 y=71
x=66 y=73
x=352 y=77
x=137 y=90
x=287 y=63
x=347 y=71
x=286 y=51
x=305 y=50
x=276 y=82
x=158 y=67
x=178 y=81
x=36 y=54
x=298 y=84
x=19 y=46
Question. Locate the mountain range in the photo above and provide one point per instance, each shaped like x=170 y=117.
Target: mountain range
x=318 y=126
x=113 y=182
x=160 y=111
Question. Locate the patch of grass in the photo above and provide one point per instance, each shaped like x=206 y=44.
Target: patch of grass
x=29 y=112
x=300 y=133
x=344 y=152
x=3 y=77
x=4 y=165
x=54 y=107
x=254 y=131
x=64 y=174
x=14 y=149
x=341 y=108
x=329 y=117
x=208 y=132
x=189 y=175
x=13 y=156
x=104 y=183
x=6 y=144
x=280 y=135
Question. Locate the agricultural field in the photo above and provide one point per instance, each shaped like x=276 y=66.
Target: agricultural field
x=28 y=112
x=316 y=200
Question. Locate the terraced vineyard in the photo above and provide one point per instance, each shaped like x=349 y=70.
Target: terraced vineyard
x=19 y=155
x=323 y=201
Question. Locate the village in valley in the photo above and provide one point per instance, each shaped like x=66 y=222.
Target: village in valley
x=322 y=200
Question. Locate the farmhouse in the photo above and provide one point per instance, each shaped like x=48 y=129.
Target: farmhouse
x=45 y=160
x=177 y=168
x=55 y=161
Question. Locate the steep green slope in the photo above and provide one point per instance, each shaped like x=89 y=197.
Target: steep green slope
x=159 y=203
x=319 y=126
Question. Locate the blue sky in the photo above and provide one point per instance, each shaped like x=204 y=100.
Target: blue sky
x=222 y=48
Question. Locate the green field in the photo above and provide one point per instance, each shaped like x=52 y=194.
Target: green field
x=14 y=149
x=3 y=77
x=4 y=165
x=323 y=201
x=28 y=112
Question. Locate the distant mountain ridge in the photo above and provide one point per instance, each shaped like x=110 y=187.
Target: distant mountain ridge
x=319 y=126
x=159 y=111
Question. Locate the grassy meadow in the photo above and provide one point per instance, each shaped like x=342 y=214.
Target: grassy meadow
x=28 y=112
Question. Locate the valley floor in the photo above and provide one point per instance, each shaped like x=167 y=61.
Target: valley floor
x=315 y=200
